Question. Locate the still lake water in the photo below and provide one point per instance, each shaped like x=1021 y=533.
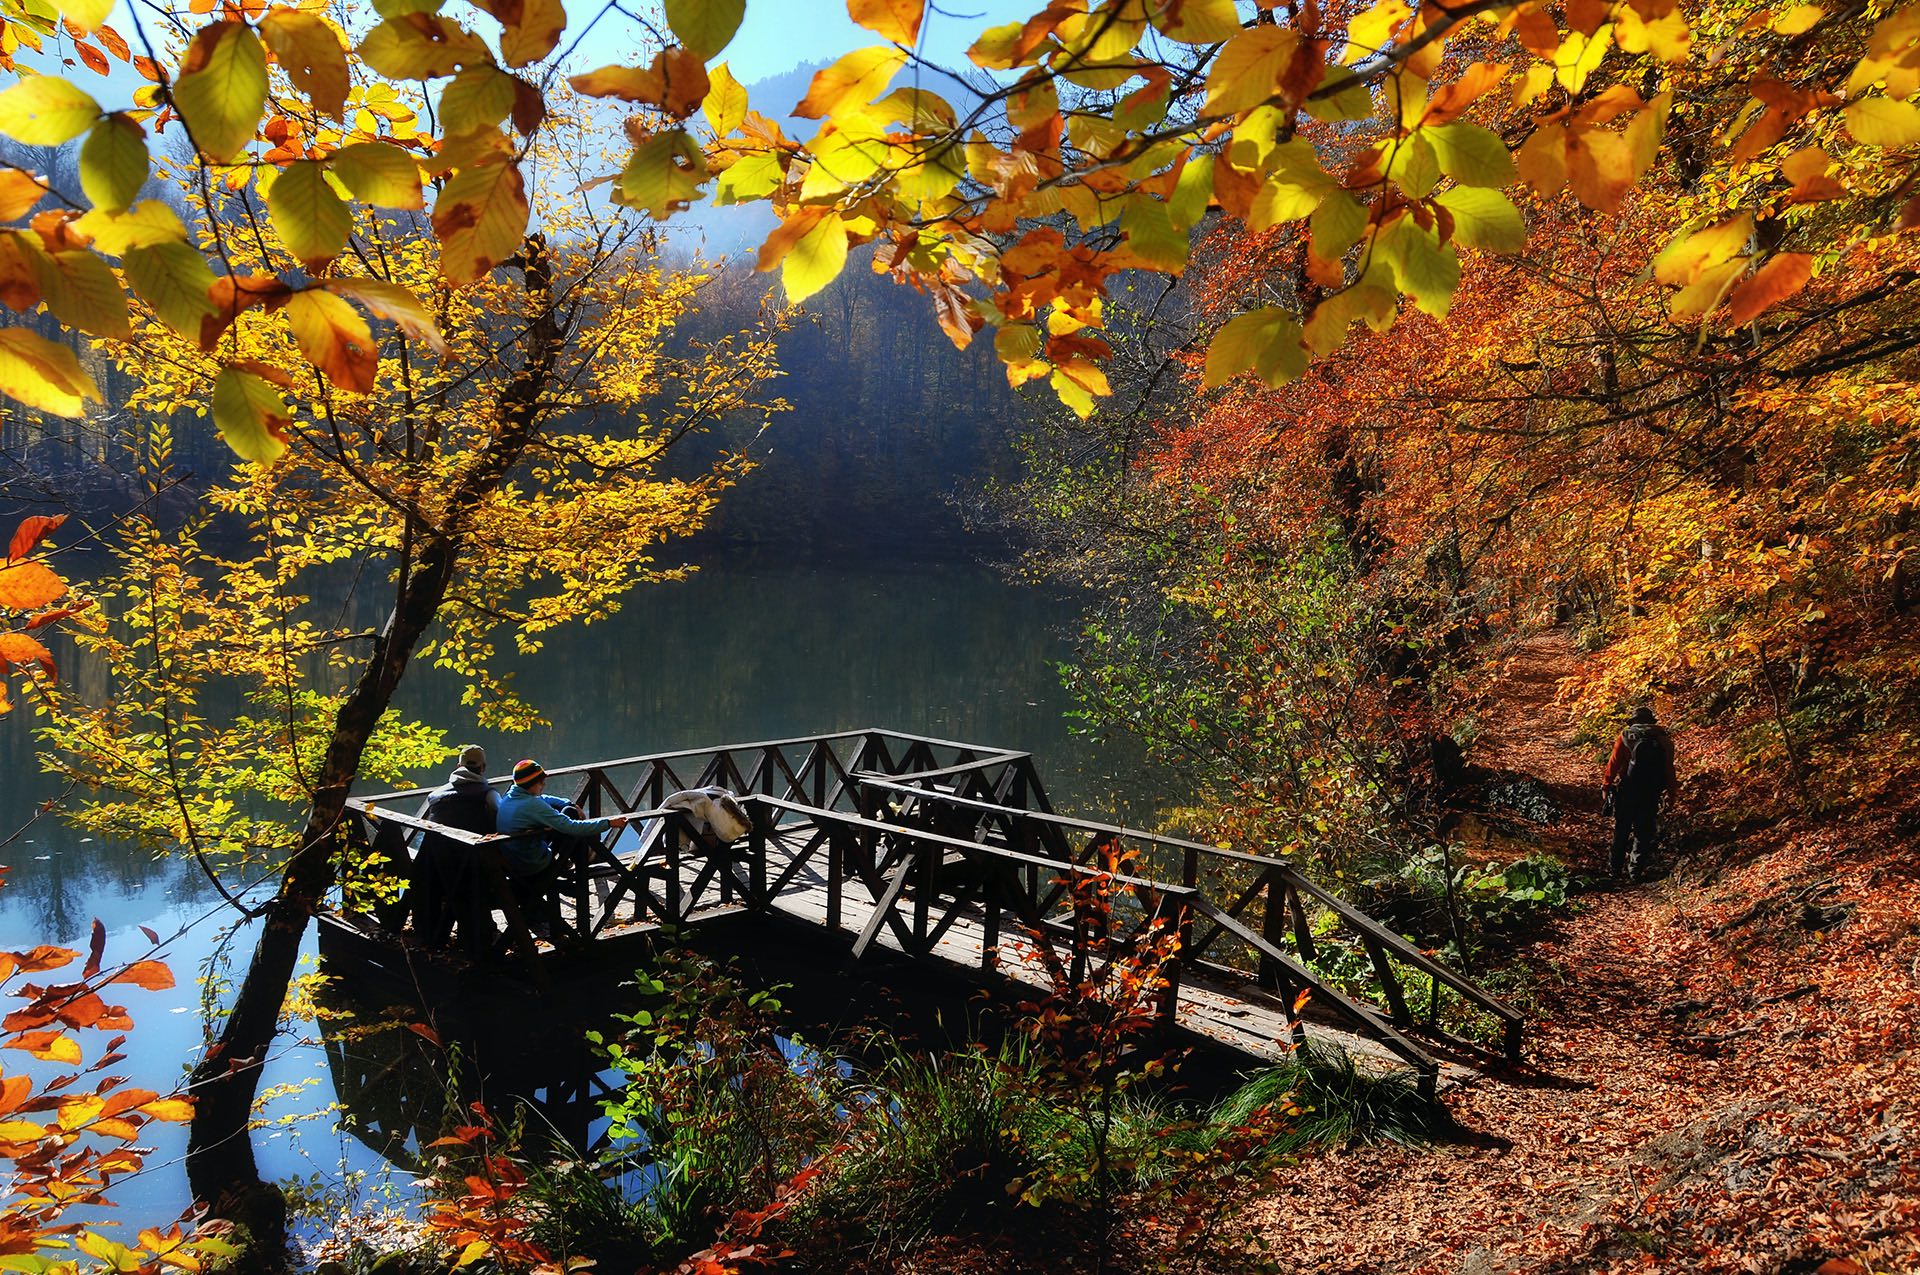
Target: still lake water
x=743 y=651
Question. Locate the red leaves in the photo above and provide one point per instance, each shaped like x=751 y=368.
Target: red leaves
x=31 y=532
x=95 y=949
x=152 y=976
x=1782 y=277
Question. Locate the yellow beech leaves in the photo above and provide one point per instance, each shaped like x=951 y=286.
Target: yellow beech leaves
x=1375 y=146
x=309 y=50
x=46 y=110
x=222 y=88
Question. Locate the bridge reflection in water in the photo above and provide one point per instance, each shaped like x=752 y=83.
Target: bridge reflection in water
x=945 y=857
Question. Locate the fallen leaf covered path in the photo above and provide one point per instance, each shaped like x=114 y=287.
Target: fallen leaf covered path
x=1721 y=1079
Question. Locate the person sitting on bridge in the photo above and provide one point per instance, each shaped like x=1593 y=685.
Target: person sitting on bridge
x=446 y=880
x=466 y=801
x=533 y=820
x=1640 y=774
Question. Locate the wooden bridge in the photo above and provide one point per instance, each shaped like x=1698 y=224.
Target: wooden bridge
x=951 y=852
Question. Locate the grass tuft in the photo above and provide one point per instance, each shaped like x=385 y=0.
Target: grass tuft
x=1341 y=1100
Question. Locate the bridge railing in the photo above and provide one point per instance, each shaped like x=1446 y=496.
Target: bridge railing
x=1233 y=886
x=915 y=886
x=657 y=869
x=926 y=830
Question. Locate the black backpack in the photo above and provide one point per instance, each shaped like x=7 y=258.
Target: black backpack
x=1647 y=760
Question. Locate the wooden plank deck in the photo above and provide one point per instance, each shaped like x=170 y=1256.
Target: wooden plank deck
x=1233 y=1013
x=934 y=849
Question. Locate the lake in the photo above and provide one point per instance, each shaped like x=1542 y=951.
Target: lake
x=744 y=650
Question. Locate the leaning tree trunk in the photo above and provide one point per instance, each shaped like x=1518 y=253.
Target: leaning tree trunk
x=220 y=1164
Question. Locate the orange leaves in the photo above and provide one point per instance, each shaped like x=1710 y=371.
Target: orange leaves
x=14 y=1090
x=1807 y=170
x=1452 y=100
x=172 y=1110
x=233 y=295
x=1598 y=163
x=853 y=81
x=151 y=976
x=43 y=957
x=1781 y=277
x=27 y=586
x=334 y=338
x=676 y=81
x=1785 y=106
x=31 y=531
x=19 y=650
x=1710 y=265
x=69 y=1160
x=896 y=20
x=49 y=1046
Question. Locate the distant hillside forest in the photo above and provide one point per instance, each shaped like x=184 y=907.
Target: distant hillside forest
x=889 y=426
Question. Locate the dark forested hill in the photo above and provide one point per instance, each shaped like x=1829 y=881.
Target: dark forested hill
x=888 y=421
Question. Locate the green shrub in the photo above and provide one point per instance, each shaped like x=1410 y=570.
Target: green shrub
x=1336 y=1099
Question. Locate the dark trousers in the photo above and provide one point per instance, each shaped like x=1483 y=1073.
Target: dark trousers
x=1636 y=834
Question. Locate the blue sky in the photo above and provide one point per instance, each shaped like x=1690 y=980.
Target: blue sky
x=776 y=36
x=779 y=35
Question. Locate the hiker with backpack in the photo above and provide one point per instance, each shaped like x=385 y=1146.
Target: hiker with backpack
x=1639 y=776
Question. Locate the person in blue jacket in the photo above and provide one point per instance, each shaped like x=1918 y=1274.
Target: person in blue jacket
x=532 y=820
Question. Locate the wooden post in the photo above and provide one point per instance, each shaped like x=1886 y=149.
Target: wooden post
x=926 y=870
x=836 y=875
x=1389 y=982
x=990 y=939
x=1176 y=963
x=757 y=853
x=1273 y=930
x=672 y=837
x=1302 y=931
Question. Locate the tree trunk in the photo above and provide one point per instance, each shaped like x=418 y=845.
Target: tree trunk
x=221 y=1169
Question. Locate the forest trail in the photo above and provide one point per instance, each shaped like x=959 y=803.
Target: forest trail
x=1711 y=1085
x=1524 y=729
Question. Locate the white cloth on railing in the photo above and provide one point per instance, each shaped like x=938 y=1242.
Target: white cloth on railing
x=714 y=811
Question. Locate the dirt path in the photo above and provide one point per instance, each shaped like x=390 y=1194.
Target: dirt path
x=1526 y=731
x=1712 y=1087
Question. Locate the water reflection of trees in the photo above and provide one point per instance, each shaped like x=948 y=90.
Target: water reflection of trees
x=402 y=1084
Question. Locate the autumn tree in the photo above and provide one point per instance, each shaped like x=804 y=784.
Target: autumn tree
x=1635 y=414
x=488 y=471
x=389 y=170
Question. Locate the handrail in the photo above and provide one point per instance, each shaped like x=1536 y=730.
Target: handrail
x=990 y=755
x=957 y=768
x=840 y=766
x=1355 y=1011
x=956 y=843
x=370 y=809
x=1407 y=952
